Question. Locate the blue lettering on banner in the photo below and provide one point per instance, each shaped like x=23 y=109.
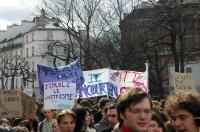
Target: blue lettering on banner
x=60 y=96
x=56 y=91
x=112 y=90
x=99 y=89
x=71 y=73
x=94 y=77
x=92 y=89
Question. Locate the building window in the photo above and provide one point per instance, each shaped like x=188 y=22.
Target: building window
x=22 y=83
x=15 y=53
x=27 y=52
x=16 y=83
x=32 y=36
x=11 y=54
x=197 y=36
x=32 y=50
x=26 y=38
x=188 y=69
x=33 y=64
x=49 y=35
x=21 y=52
x=50 y=62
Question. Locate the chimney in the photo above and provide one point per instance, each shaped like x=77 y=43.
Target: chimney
x=41 y=20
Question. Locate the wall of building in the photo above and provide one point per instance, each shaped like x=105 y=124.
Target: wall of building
x=34 y=42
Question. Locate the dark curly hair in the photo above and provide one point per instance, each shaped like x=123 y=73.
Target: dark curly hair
x=186 y=101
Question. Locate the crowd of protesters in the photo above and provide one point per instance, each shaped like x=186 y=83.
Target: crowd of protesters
x=132 y=111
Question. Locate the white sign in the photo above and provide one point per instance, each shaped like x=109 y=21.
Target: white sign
x=59 y=95
x=125 y=79
x=98 y=83
x=112 y=82
x=183 y=82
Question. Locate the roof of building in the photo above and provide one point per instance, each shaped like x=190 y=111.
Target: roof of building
x=139 y=14
x=39 y=22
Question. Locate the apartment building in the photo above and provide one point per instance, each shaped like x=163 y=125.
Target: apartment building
x=24 y=46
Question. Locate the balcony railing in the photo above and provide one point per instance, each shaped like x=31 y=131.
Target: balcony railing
x=11 y=47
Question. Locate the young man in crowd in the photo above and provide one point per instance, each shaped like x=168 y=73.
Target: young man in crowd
x=47 y=123
x=111 y=113
x=103 y=122
x=184 y=110
x=134 y=109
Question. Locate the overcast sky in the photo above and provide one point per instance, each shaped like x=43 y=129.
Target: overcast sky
x=14 y=11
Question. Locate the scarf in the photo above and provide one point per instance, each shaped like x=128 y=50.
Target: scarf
x=124 y=128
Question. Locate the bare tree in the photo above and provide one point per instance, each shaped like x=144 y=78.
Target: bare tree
x=12 y=67
x=94 y=26
x=172 y=33
x=178 y=21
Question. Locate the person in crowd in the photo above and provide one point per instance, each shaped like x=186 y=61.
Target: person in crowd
x=83 y=119
x=100 y=115
x=66 y=120
x=92 y=122
x=103 y=123
x=156 y=124
x=156 y=106
x=169 y=127
x=46 y=124
x=27 y=124
x=112 y=114
x=184 y=110
x=163 y=112
x=4 y=122
x=15 y=121
x=20 y=129
x=112 y=117
x=134 y=109
x=55 y=127
x=86 y=104
x=34 y=122
x=5 y=125
x=4 y=129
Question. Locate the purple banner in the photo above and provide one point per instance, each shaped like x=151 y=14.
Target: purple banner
x=70 y=73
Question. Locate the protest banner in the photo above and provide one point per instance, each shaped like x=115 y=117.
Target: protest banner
x=183 y=82
x=124 y=79
x=112 y=82
x=14 y=103
x=69 y=73
x=97 y=83
x=59 y=95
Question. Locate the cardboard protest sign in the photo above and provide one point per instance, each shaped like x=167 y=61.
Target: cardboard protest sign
x=28 y=105
x=183 y=82
x=69 y=73
x=59 y=95
x=14 y=103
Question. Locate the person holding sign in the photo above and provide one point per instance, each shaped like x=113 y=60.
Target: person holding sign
x=184 y=109
x=66 y=120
